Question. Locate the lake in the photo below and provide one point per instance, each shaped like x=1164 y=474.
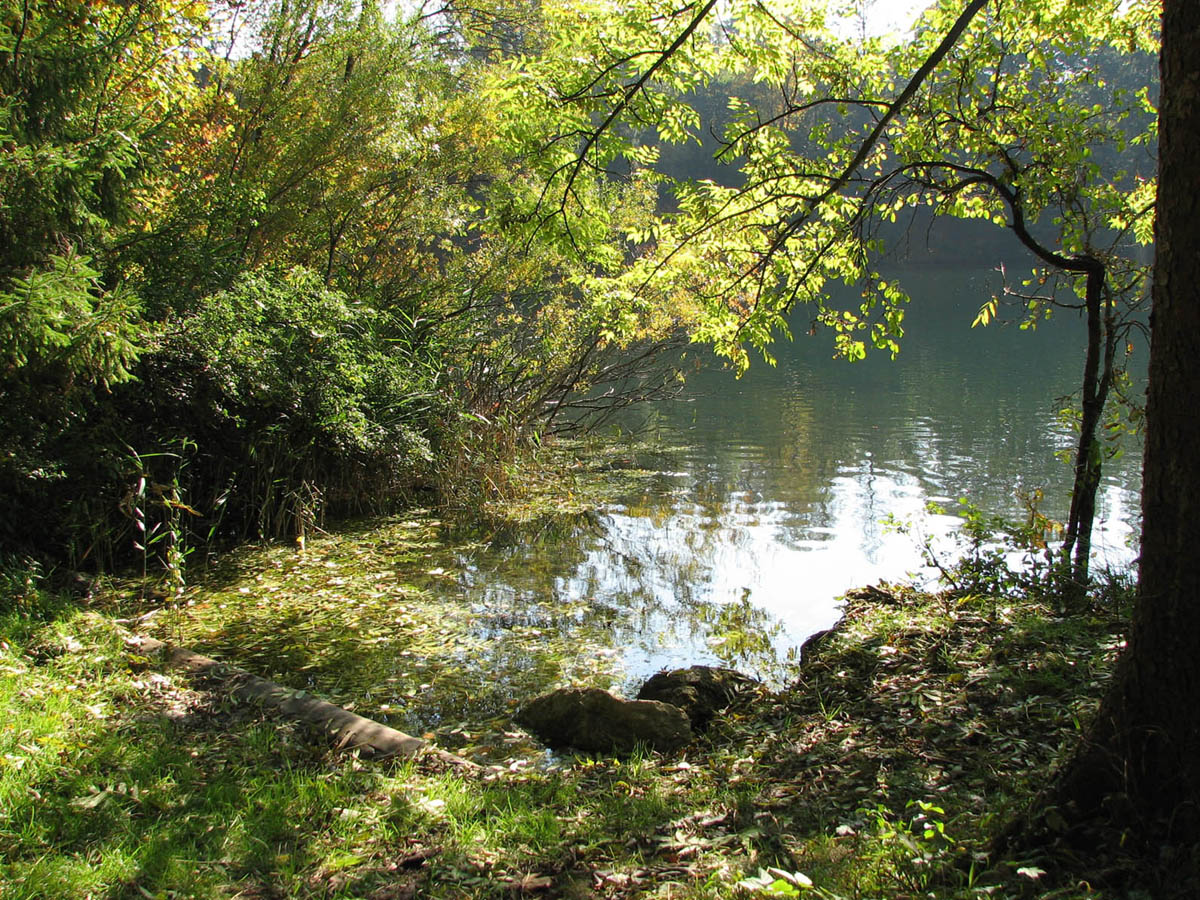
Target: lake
x=747 y=508
x=772 y=492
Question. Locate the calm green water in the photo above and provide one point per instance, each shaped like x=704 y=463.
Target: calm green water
x=772 y=499
x=763 y=502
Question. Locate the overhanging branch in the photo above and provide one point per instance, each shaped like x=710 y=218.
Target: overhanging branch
x=864 y=150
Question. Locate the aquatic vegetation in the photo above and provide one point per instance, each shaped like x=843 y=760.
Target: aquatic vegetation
x=375 y=620
x=443 y=627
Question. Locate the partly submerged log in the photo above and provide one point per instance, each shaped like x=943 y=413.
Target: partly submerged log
x=346 y=729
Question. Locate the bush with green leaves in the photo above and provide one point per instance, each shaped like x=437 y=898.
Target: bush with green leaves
x=297 y=399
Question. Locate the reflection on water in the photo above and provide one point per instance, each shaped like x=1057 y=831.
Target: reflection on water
x=767 y=503
x=775 y=504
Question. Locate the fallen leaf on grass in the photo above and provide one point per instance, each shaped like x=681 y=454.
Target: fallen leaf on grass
x=619 y=880
x=433 y=806
x=403 y=890
x=417 y=857
x=91 y=801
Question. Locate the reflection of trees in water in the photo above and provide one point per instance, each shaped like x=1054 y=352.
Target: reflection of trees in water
x=801 y=460
x=961 y=412
x=641 y=583
x=779 y=474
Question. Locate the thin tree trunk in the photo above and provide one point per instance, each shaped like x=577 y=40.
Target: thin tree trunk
x=1097 y=380
x=1087 y=453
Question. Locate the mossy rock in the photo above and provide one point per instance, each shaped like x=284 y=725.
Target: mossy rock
x=700 y=691
x=594 y=720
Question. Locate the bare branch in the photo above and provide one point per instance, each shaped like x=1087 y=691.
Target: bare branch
x=627 y=97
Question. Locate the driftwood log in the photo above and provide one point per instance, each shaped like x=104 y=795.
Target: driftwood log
x=346 y=729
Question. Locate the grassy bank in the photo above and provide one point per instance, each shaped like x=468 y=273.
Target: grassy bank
x=917 y=729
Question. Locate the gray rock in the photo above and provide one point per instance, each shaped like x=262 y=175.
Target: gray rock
x=595 y=720
x=700 y=691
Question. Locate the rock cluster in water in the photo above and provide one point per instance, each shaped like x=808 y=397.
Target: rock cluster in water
x=669 y=708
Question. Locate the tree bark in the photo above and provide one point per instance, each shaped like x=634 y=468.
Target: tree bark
x=1138 y=770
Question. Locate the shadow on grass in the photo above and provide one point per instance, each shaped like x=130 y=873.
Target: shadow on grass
x=121 y=783
x=918 y=729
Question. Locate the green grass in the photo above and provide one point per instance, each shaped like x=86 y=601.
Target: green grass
x=916 y=731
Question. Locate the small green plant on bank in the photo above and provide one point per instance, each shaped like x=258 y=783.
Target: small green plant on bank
x=912 y=845
x=161 y=533
x=993 y=556
x=908 y=851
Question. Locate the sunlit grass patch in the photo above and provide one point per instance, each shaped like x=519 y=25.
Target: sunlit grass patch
x=122 y=780
x=115 y=778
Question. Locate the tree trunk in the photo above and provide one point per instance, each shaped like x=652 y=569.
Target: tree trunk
x=1139 y=767
x=1087 y=454
x=1097 y=381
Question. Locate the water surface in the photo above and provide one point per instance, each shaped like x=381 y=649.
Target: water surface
x=752 y=505
x=773 y=494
